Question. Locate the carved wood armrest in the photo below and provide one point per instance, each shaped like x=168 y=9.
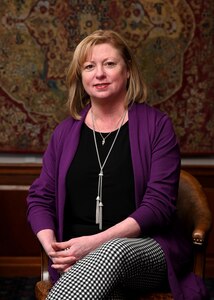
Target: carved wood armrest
x=198 y=237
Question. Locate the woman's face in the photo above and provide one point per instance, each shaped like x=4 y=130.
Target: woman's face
x=104 y=74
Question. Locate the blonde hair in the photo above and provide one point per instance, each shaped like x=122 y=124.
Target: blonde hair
x=78 y=98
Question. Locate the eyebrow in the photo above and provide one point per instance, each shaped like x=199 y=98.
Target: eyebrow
x=108 y=58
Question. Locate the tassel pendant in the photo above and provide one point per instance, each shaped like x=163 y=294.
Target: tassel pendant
x=99 y=204
x=97 y=209
x=100 y=215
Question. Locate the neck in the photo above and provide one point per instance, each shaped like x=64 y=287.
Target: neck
x=106 y=117
x=109 y=121
x=107 y=111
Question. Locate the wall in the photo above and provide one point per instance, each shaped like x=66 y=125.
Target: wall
x=19 y=251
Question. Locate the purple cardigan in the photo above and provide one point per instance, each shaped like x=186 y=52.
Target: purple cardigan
x=156 y=166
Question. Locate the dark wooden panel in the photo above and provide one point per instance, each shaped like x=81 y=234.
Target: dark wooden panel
x=18 y=174
x=19 y=251
x=210 y=247
x=16 y=234
x=204 y=174
x=20 y=266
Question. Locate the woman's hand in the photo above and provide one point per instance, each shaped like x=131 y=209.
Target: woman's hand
x=67 y=253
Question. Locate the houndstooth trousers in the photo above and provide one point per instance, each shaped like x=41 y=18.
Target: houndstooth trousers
x=114 y=271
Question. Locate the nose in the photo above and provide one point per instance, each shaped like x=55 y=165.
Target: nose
x=100 y=71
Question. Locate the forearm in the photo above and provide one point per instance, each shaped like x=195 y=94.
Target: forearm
x=127 y=228
x=46 y=238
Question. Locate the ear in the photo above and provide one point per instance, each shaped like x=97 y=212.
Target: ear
x=128 y=74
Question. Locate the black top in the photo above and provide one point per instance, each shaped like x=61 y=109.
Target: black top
x=82 y=182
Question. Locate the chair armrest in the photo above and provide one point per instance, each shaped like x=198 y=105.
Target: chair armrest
x=43 y=286
x=42 y=289
x=44 y=266
x=198 y=237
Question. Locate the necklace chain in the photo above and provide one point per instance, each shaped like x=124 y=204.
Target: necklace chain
x=99 y=203
x=105 y=137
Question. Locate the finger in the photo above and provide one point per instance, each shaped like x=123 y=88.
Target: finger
x=64 y=260
x=66 y=270
x=60 y=254
x=60 y=267
x=60 y=246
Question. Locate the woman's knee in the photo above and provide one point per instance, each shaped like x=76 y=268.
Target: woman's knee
x=115 y=248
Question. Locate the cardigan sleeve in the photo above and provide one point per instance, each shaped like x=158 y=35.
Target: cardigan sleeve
x=47 y=193
x=160 y=164
x=41 y=197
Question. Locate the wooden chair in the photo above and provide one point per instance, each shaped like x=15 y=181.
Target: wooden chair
x=194 y=212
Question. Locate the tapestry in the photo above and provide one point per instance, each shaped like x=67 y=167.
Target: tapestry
x=173 y=41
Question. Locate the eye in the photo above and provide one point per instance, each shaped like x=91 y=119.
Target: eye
x=88 y=67
x=110 y=64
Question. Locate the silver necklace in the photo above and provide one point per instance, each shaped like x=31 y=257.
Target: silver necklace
x=99 y=202
x=105 y=137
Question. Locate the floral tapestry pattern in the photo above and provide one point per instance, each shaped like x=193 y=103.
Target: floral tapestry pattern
x=173 y=42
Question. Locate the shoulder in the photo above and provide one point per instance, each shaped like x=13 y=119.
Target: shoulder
x=69 y=124
x=146 y=109
x=65 y=125
x=151 y=123
x=63 y=128
x=59 y=137
x=145 y=113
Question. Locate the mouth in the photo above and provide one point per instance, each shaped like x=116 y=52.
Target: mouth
x=101 y=85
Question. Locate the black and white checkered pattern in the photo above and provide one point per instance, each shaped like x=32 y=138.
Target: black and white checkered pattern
x=111 y=270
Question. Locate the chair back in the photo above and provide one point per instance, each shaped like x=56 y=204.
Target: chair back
x=193 y=209
x=194 y=213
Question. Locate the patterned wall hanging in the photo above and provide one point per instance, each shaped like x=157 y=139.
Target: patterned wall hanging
x=173 y=41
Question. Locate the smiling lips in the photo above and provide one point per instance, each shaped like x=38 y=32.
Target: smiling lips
x=101 y=85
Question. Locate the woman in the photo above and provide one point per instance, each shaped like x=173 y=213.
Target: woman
x=104 y=205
